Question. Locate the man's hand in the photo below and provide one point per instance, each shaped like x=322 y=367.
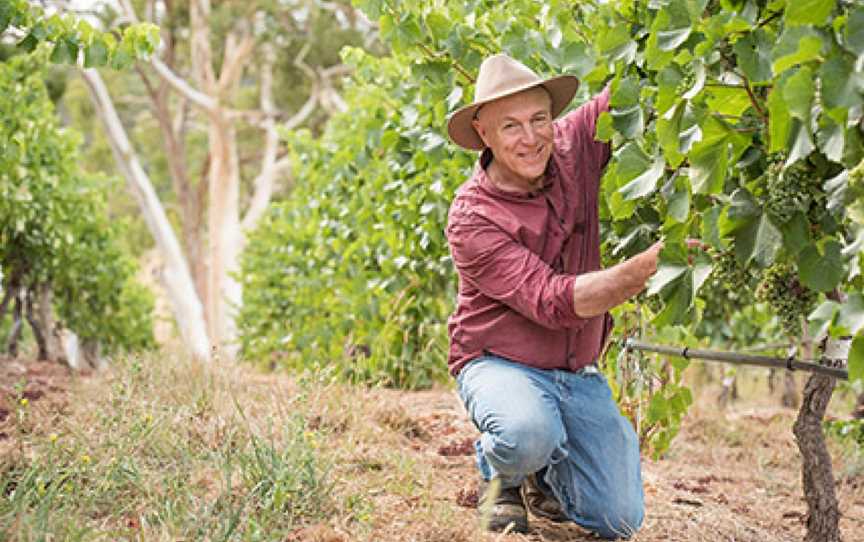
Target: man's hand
x=597 y=292
x=645 y=264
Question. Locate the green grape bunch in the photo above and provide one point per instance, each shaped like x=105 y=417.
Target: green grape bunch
x=789 y=191
x=687 y=80
x=790 y=300
x=727 y=273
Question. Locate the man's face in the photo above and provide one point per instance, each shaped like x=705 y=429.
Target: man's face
x=518 y=130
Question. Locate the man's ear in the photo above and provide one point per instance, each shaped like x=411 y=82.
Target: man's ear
x=480 y=129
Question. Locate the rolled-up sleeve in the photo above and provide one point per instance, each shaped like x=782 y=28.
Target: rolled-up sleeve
x=580 y=127
x=491 y=261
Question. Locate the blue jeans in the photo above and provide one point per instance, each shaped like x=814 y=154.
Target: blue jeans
x=564 y=426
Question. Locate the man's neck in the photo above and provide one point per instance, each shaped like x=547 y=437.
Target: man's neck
x=512 y=183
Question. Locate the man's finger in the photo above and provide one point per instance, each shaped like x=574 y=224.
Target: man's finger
x=697 y=243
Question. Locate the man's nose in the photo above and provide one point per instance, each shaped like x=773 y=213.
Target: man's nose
x=529 y=134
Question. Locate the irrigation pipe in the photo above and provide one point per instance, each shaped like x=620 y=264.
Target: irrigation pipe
x=789 y=363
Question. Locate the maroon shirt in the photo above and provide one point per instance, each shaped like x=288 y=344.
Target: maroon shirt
x=517 y=256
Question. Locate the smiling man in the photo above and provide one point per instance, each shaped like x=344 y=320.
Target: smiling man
x=532 y=308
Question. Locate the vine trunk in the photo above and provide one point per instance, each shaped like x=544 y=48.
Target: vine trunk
x=818 y=479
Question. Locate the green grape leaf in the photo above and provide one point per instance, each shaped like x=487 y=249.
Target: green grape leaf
x=779 y=121
x=708 y=163
x=797 y=45
x=669 y=40
x=798 y=93
x=801 y=142
x=439 y=25
x=629 y=122
x=658 y=408
x=841 y=82
x=807 y=11
x=768 y=241
x=796 y=233
x=754 y=55
x=856 y=359
x=666 y=274
x=822 y=317
x=668 y=133
x=678 y=299
x=851 y=315
x=96 y=54
x=645 y=183
x=822 y=270
x=831 y=139
x=853 y=32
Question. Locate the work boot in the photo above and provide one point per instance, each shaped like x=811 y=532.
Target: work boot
x=499 y=507
x=540 y=503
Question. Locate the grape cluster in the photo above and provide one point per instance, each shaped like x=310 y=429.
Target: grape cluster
x=728 y=288
x=728 y=273
x=789 y=191
x=788 y=298
x=686 y=82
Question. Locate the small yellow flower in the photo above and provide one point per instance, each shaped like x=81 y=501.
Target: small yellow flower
x=85 y=459
x=52 y=437
x=24 y=402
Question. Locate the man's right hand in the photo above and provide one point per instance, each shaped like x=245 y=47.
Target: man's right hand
x=645 y=263
x=597 y=292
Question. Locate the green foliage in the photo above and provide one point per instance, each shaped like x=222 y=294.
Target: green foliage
x=66 y=38
x=54 y=227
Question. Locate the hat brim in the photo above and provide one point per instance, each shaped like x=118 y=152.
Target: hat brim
x=461 y=131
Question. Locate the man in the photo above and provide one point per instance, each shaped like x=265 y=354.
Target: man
x=532 y=308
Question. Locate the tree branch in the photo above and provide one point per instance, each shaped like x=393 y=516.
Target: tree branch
x=234 y=60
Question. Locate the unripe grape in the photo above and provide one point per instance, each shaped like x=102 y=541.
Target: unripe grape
x=790 y=300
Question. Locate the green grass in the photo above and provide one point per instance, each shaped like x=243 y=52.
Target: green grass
x=165 y=450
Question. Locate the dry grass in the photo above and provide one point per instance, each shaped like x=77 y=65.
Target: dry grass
x=161 y=449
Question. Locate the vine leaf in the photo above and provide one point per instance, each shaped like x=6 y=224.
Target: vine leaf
x=841 y=82
x=822 y=271
x=797 y=45
x=856 y=359
x=754 y=56
x=807 y=11
x=666 y=273
x=644 y=184
x=851 y=316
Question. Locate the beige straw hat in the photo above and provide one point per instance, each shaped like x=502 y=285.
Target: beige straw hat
x=502 y=76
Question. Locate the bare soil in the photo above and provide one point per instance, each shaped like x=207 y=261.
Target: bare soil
x=732 y=475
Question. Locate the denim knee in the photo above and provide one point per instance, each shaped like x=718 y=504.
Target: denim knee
x=522 y=446
x=615 y=519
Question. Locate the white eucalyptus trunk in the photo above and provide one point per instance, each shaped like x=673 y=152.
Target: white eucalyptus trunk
x=177 y=280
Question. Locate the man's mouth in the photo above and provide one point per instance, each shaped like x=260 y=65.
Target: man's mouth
x=531 y=156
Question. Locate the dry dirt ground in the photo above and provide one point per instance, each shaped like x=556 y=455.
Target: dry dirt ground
x=731 y=475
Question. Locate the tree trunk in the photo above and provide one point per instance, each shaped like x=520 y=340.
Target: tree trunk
x=790 y=390
x=15 y=332
x=90 y=354
x=858 y=412
x=817 y=474
x=40 y=334
x=223 y=290
x=188 y=311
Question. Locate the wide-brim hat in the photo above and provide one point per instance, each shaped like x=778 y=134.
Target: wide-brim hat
x=502 y=76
